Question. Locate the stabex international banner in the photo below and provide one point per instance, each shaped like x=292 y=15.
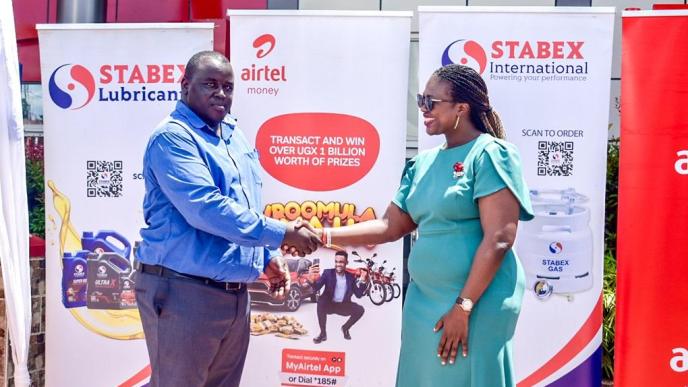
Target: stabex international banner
x=105 y=88
x=651 y=346
x=548 y=74
x=323 y=97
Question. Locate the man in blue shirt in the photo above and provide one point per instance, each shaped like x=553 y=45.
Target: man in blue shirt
x=206 y=236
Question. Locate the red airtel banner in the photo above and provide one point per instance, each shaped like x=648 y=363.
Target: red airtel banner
x=652 y=288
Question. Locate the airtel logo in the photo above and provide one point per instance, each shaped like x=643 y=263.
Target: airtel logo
x=265 y=72
x=679 y=363
x=681 y=165
x=264 y=43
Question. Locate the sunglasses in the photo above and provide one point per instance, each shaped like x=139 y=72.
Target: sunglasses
x=427 y=102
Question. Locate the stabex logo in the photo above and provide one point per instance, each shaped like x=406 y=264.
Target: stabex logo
x=73 y=86
x=521 y=60
x=556 y=247
x=470 y=53
x=69 y=76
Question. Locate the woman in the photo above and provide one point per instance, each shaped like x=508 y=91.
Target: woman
x=465 y=198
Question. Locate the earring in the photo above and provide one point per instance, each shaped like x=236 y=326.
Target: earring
x=456 y=124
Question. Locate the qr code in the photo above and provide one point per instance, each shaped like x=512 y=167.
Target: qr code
x=555 y=158
x=103 y=179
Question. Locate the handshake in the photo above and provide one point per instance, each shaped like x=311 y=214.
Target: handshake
x=301 y=239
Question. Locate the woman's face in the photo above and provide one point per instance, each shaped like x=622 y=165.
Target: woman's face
x=443 y=115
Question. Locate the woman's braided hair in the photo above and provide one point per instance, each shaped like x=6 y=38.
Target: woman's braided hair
x=468 y=87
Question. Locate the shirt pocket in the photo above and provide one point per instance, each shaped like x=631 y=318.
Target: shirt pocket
x=254 y=164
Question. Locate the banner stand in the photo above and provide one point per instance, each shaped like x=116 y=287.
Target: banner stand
x=548 y=72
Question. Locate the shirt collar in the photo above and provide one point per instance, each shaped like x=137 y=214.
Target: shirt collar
x=228 y=123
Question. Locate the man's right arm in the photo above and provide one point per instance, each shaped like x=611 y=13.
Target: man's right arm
x=187 y=182
x=319 y=283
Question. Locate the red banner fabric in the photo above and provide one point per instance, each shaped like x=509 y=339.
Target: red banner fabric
x=652 y=282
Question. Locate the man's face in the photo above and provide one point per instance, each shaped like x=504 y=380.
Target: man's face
x=209 y=91
x=339 y=263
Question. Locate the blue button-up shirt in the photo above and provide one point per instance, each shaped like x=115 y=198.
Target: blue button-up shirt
x=202 y=204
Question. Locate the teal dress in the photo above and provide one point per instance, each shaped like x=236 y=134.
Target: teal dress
x=444 y=205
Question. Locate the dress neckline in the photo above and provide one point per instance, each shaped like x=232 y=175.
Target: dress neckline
x=443 y=147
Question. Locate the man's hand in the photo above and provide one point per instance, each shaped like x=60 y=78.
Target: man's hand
x=278 y=275
x=300 y=239
x=314 y=269
x=364 y=276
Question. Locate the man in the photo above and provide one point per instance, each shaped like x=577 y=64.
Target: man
x=340 y=285
x=206 y=236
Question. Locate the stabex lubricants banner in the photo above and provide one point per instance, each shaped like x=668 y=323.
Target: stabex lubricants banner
x=325 y=104
x=105 y=88
x=548 y=75
x=651 y=344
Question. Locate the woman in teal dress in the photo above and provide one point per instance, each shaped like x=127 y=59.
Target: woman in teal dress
x=465 y=199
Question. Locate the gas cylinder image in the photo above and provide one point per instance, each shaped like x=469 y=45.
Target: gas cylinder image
x=555 y=247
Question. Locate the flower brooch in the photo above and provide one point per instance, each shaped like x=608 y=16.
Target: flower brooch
x=458 y=170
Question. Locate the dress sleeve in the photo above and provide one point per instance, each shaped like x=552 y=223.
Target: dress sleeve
x=499 y=167
x=405 y=185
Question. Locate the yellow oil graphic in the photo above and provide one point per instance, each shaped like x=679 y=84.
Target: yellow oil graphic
x=114 y=324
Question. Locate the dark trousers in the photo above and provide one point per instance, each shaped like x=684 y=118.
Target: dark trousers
x=196 y=335
x=326 y=307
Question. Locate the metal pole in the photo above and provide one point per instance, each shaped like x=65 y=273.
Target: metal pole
x=81 y=11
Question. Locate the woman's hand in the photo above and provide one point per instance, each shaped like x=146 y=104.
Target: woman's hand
x=455 y=332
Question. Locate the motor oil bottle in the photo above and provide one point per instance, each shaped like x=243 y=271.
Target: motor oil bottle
x=106 y=241
x=74 y=279
x=127 y=296
x=105 y=273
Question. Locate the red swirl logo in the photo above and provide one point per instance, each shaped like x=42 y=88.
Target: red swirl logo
x=264 y=43
x=468 y=53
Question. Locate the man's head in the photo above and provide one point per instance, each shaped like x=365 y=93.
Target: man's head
x=208 y=86
x=341 y=258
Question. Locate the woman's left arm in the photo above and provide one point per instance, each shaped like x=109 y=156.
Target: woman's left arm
x=498 y=217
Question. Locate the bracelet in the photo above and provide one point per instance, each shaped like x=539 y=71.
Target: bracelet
x=326 y=237
x=323 y=237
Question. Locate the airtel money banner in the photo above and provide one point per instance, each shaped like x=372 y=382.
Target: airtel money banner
x=651 y=346
x=548 y=74
x=105 y=88
x=326 y=106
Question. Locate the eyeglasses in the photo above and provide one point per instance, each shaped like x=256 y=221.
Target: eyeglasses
x=427 y=102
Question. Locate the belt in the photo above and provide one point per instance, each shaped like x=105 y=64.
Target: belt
x=164 y=272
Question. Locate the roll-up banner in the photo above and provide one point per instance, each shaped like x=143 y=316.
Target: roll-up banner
x=651 y=346
x=105 y=88
x=548 y=74
x=323 y=96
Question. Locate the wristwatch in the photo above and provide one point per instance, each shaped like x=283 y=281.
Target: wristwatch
x=465 y=304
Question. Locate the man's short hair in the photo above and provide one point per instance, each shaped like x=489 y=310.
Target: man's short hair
x=342 y=253
x=198 y=58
